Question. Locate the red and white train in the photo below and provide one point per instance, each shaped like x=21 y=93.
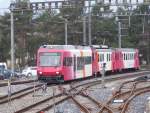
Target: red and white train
x=68 y=62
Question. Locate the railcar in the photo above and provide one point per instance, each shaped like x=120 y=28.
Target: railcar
x=58 y=63
x=64 y=62
x=117 y=59
x=130 y=58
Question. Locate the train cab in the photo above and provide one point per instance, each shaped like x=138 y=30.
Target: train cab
x=64 y=62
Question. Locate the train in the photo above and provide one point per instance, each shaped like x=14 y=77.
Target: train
x=59 y=63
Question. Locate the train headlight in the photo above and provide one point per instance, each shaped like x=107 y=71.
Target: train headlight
x=40 y=72
x=57 y=72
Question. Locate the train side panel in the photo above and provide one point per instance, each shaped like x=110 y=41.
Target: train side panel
x=82 y=63
x=67 y=67
x=130 y=58
x=105 y=56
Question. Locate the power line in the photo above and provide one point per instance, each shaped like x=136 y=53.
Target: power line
x=4 y=8
x=70 y=4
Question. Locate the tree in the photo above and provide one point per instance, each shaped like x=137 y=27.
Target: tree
x=5 y=37
x=104 y=28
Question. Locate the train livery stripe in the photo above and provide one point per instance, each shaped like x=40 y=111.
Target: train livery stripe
x=83 y=69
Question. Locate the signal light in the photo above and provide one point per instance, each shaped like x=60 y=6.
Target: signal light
x=49 y=5
x=56 y=5
x=43 y=5
x=36 y=6
x=110 y=1
x=116 y=1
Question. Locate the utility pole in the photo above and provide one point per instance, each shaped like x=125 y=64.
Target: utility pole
x=84 y=30
x=89 y=24
x=119 y=34
x=12 y=40
x=12 y=52
x=66 y=31
x=144 y=24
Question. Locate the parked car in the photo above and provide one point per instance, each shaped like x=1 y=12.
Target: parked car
x=29 y=71
x=3 y=65
x=5 y=73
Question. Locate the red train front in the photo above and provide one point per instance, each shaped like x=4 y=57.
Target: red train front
x=49 y=63
x=64 y=62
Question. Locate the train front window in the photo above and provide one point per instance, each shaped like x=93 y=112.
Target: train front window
x=50 y=59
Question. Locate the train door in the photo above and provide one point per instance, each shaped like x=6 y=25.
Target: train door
x=74 y=65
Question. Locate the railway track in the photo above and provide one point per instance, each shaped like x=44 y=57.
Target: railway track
x=48 y=103
x=19 y=94
x=76 y=89
x=126 y=96
x=17 y=82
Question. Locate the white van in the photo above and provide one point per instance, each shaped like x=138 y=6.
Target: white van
x=3 y=65
x=29 y=71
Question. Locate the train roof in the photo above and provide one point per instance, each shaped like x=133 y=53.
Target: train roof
x=65 y=47
x=116 y=49
x=126 y=49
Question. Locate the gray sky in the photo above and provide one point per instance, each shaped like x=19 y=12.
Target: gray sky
x=5 y=4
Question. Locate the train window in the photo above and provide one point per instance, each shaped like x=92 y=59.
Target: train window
x=110 y=57
x=107 y=57
x=101 y=57
x=128 y=56
x=125 y=56
x=50 y=59
x=88 y=60
x=80 y=63
x=67 y=61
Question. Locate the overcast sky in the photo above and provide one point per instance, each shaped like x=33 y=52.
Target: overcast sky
x=5 y=4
